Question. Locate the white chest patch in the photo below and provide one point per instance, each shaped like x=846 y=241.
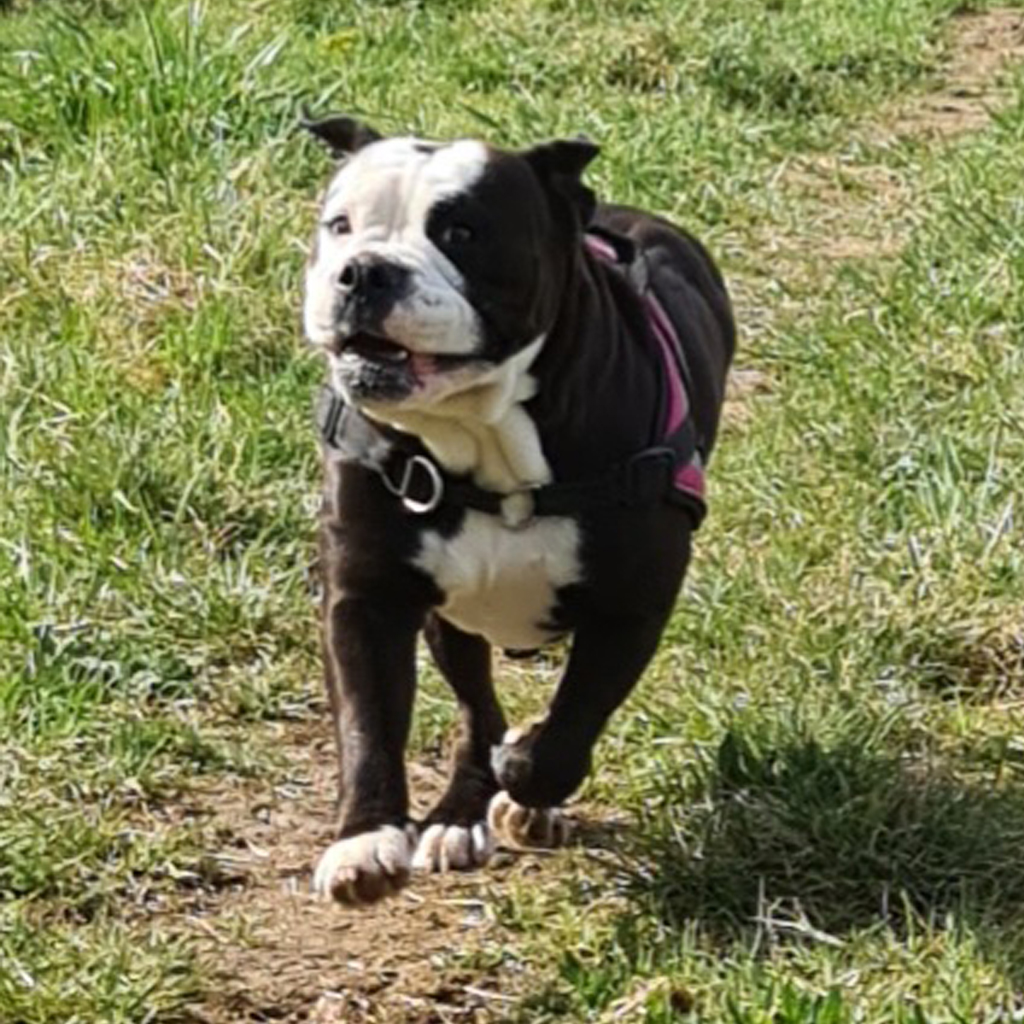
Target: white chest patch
x=501 y=583
x=479 y=426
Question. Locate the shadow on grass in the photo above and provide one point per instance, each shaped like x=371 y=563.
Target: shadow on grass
x=792 y=838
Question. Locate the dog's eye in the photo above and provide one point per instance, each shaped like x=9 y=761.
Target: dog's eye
x=457 y=234
x=339 y=225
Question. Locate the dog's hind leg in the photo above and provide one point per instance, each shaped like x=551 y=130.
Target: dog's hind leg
x=455 y=832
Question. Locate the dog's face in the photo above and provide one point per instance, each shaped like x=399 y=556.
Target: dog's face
x=434 y=264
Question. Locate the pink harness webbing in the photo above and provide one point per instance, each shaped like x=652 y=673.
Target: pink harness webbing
x=688 y=477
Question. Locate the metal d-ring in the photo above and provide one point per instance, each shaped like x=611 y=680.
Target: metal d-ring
x=414 y=505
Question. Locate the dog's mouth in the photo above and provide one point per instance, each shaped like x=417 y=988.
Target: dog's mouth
x=380 y=351
x=375 y=348
x=372 y=367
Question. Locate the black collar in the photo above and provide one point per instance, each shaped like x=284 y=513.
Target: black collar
x=412 y=476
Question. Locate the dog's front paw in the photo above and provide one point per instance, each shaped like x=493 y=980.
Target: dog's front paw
x=367 y=867
x=453 y=847
x=526 y=827
x=537 y=768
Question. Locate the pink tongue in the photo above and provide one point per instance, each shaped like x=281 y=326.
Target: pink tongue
x=423 y=365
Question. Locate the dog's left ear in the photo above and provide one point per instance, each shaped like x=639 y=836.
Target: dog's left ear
x=343 y=136
x=560 y=165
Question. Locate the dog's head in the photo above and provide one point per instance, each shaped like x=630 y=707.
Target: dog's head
x=434 y=264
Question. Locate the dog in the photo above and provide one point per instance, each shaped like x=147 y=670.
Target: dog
x=524 y=388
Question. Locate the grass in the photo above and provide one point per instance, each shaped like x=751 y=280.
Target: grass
x=824 y=770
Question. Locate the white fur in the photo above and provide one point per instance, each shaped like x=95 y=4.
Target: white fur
x=453 y=848
x=473 y=422
x=385 y=852
x=499 y=582
x=526 y=827
x=387 y=191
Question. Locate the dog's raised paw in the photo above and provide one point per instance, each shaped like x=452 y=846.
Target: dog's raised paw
x=367 y=867
x=526 y=827
x=453 y=847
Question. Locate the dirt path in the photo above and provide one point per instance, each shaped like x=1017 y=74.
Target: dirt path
x=435 y=955
x=854 y=209
x=845 y=208
x=279 y=954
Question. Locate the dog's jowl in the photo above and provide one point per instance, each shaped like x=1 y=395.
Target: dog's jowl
x=523 y=393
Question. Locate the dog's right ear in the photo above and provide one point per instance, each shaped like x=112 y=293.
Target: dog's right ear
x=343 y=136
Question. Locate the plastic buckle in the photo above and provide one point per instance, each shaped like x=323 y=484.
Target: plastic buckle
x=649 y=475
x=328 y=412
x=401 y=490
x=518 y=508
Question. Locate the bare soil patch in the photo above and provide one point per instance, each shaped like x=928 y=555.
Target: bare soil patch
x=849 y=209
x=981 y=45
x=835 y=207
x=432 y=955
x=745 y=383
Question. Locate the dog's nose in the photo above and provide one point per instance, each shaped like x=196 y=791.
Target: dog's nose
x=372 y=277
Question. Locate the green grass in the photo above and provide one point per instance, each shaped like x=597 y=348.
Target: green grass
x=824 y=770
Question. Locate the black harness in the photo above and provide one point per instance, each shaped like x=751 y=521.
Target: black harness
x=409 y=473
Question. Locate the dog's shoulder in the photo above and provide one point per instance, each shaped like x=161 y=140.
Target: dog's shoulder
x=692 y=291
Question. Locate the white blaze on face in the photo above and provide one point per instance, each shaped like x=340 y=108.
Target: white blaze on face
x=387 y=191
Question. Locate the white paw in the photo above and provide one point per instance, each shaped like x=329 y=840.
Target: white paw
x=367 y=867
x=526 y=827
x=453 y=848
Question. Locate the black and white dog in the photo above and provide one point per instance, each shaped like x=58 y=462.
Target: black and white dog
x=524 y=387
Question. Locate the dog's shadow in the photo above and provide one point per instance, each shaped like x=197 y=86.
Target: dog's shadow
x=799 y=840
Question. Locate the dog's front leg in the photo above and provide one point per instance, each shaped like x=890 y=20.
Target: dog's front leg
x=370 y=658
x=541 y=766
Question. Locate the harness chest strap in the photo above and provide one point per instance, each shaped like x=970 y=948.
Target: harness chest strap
x=422 y=486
